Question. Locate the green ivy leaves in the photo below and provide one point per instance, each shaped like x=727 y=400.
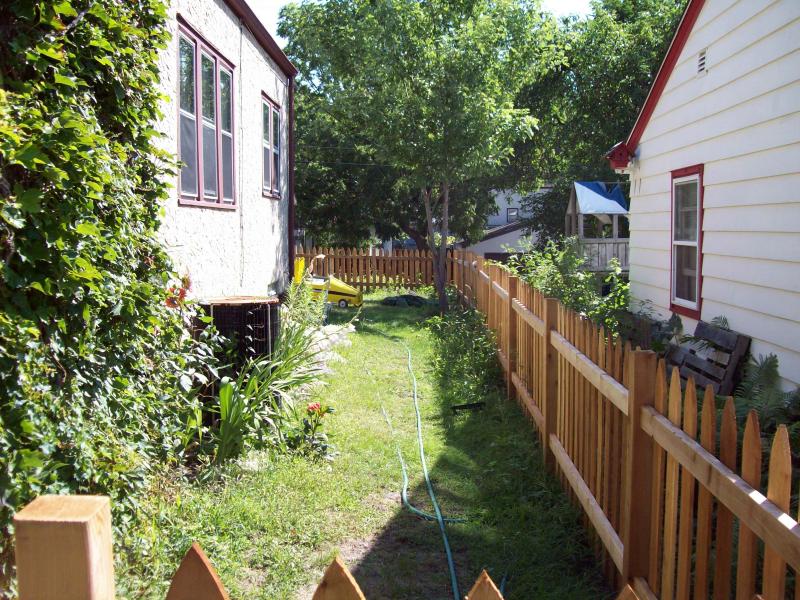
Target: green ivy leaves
x=97 y=375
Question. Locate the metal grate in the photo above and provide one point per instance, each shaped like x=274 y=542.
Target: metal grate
x=253 y=328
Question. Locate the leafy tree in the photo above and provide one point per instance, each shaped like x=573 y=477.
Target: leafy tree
x=430 y=85
x=94 y=364
x=592 y=100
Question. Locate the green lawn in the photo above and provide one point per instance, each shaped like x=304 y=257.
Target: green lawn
x=270 y=526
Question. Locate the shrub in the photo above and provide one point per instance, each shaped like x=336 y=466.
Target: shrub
x=258 y=408
x=95 y=364
x=559 y=271
x=465 y=354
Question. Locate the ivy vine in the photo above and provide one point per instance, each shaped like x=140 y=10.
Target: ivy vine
x=96 y=370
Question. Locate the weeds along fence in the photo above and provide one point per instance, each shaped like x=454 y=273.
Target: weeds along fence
x=671 y=509
x=372 y=269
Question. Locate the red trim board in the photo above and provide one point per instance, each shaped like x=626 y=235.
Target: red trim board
x=692 y=313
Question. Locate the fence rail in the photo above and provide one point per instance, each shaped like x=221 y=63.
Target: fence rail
x=659 y=483
x=372 y=269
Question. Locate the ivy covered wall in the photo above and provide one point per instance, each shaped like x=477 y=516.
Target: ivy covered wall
x=96 y=360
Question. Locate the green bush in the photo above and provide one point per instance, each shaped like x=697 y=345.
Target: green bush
x=559 y=271
x=258 y=408
x=465 y=355
x=96 y=353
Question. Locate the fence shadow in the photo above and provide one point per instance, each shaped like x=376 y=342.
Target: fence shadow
x=518 y=523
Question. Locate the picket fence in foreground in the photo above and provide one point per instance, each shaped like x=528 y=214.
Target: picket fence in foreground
x=64 y=552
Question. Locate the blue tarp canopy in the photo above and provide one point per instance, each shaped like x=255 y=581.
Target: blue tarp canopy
x=595 y=198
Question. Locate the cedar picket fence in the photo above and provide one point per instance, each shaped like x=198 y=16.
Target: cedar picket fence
x=623 y=439
x=64 y=552
x=372 y=269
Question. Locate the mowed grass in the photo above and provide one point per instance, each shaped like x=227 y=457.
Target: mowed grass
x=270 y=526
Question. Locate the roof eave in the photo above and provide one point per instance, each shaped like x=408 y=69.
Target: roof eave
x=243 y=11
x=665 y=70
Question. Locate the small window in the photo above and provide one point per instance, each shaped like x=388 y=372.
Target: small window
x=226 y=133
x=270 y=148
x=206 y=144
x=512 y=215
x=188 y=119
x=686 y=240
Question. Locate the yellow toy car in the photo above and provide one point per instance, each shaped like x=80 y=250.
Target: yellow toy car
x=336 y=291
x=330 y=288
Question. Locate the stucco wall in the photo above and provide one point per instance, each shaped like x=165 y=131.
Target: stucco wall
x=241 y=252
x=741 y=120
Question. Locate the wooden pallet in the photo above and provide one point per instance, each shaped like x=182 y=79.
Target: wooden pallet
x=714 y=360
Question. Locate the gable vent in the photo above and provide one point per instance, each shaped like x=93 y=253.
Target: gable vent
x=701 y=62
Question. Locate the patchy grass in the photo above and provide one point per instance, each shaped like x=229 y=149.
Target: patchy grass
x=271 y=525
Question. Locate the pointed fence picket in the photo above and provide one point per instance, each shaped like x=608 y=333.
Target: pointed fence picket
x=672 y=501
x=64 y=552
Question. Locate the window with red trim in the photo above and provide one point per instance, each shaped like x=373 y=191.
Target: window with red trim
x=270 y=148
x=687 y=241
x=205 y=134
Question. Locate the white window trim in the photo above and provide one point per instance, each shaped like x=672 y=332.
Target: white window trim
x=695 y=244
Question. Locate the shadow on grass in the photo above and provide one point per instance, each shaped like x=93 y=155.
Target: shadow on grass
x=519 y=524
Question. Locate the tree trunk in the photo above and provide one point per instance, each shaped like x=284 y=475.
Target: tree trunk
x=444 y=229
x=425 y=194
x=420 y=239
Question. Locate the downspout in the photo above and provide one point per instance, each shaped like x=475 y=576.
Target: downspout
x=291 y=178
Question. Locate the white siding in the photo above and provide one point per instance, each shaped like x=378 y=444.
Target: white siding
x=741 y=120
x=240 y=252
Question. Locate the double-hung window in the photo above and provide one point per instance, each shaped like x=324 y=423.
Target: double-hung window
x=206 y=124
x=270 y=148
x=687 y=200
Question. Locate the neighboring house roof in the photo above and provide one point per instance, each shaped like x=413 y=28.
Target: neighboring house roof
x=502 y=230
x=595 y=198
x=241 y=9
x=619 y=156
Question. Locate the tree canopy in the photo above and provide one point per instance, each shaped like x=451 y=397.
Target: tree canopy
x=430 y=86
x=378 y=78
x=591 y=101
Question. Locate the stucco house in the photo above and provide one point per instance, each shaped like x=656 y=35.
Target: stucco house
x=228 y=119
x=714 y=166
x=228 y=223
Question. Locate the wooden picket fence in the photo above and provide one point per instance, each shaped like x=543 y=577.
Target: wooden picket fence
x=663 y=499
x=64 y=552
x=372 y=269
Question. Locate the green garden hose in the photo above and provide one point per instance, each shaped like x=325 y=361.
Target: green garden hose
x=404 y=491
x=438 y=513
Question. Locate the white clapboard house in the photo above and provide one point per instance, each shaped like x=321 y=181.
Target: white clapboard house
x=228 y=223
x=714 y=166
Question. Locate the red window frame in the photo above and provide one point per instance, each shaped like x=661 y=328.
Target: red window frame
x=694 y=170
x=201 y=47
x=274 y=191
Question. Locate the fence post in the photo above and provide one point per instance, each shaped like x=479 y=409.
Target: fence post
x=637 y=493
x=511 y=351
x=480 y=305
x=63 y=549
x=549 y=403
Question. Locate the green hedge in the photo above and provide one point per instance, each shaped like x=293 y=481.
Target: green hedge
x=95 y=368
